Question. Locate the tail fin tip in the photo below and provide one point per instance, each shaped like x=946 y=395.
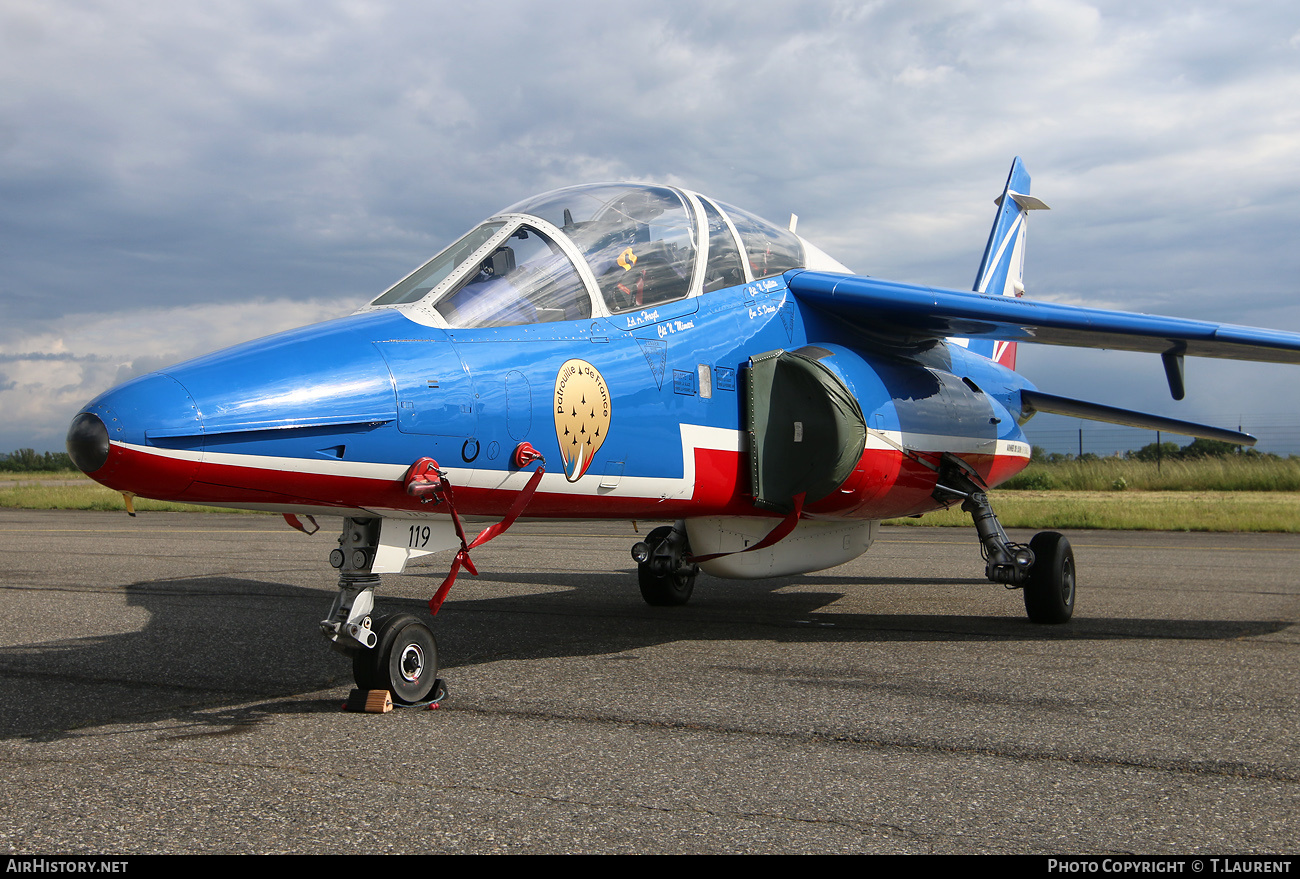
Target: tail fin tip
x=1001 y=270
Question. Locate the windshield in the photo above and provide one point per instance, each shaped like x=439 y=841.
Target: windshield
x=527 y=279
x=417 y=284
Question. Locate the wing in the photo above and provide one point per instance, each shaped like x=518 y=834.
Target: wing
x=913 y=314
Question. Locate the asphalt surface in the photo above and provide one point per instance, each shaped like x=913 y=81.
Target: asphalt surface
x=164 y=689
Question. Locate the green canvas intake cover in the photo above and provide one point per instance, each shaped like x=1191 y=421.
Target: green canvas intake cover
x=806 y=431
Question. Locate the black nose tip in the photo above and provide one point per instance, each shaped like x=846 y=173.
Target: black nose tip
x=88 y=442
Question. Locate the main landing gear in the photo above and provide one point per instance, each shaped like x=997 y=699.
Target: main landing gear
x=397 y=652
x=665 y=577
x=1044 y=569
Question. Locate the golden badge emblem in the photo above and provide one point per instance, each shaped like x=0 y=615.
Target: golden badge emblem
x=581 y=415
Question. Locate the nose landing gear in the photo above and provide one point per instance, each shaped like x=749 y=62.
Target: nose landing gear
x=397 y=652
x=404 y=662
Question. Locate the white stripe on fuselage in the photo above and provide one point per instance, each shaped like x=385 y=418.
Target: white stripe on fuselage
x=928 y=443
x=693 y=437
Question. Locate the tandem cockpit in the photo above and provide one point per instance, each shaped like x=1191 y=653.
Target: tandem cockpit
x=596 y=251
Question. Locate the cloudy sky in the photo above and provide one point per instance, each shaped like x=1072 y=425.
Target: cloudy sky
x=176 y=177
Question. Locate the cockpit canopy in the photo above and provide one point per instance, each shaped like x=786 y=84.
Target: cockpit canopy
x=595 y=250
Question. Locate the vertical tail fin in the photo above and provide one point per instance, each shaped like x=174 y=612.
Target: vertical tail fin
x=1001 y=271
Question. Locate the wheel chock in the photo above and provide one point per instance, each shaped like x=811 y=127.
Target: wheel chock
x=369 y=701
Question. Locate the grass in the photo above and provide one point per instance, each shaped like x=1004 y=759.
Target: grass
x=71 y=490
x=1135 y=511
x=1270 y=508
x=1232 y=473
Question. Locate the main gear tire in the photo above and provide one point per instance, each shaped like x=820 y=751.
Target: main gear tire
x=1050 y=591
x=669 y=590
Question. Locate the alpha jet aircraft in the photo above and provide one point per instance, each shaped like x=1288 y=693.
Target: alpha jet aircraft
x=638 y=352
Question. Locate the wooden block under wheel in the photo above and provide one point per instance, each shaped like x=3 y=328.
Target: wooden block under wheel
x=370 y=701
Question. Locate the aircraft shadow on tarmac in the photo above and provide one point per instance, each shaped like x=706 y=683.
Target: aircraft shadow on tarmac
x=218 y=641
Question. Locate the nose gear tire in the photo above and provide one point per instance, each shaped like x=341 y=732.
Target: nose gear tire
x=404 y=661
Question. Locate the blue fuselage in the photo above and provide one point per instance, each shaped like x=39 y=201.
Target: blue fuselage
x=362 y=397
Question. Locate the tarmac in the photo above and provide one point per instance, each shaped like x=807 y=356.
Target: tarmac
x=164 y=689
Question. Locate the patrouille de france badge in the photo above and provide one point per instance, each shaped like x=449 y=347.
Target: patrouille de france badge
x=581 y=415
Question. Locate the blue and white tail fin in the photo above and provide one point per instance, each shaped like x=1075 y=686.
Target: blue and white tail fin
x=1002 y=269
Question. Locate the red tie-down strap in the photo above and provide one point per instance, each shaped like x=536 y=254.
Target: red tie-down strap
x=776 y=535
x=295 y=522
x=424 y=479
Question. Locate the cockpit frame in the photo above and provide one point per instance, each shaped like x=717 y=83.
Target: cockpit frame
x=492 y=261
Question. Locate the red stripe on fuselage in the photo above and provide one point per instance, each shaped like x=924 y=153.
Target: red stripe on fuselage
x=885 y=484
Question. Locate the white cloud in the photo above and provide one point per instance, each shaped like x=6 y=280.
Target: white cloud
x=53 y=372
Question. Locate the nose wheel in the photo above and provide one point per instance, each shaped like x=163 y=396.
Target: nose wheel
x=403 y=661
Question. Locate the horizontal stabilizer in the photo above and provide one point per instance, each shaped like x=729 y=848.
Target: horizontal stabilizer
x=1026 y=202
x=1037 y=401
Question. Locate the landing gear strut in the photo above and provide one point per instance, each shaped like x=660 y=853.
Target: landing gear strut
x=665 y=577
x=396 y=653
x=1044 y=569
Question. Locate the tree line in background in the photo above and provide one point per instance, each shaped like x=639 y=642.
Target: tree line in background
x=28 y=460
x=1200 y=465
x=1196 y=450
